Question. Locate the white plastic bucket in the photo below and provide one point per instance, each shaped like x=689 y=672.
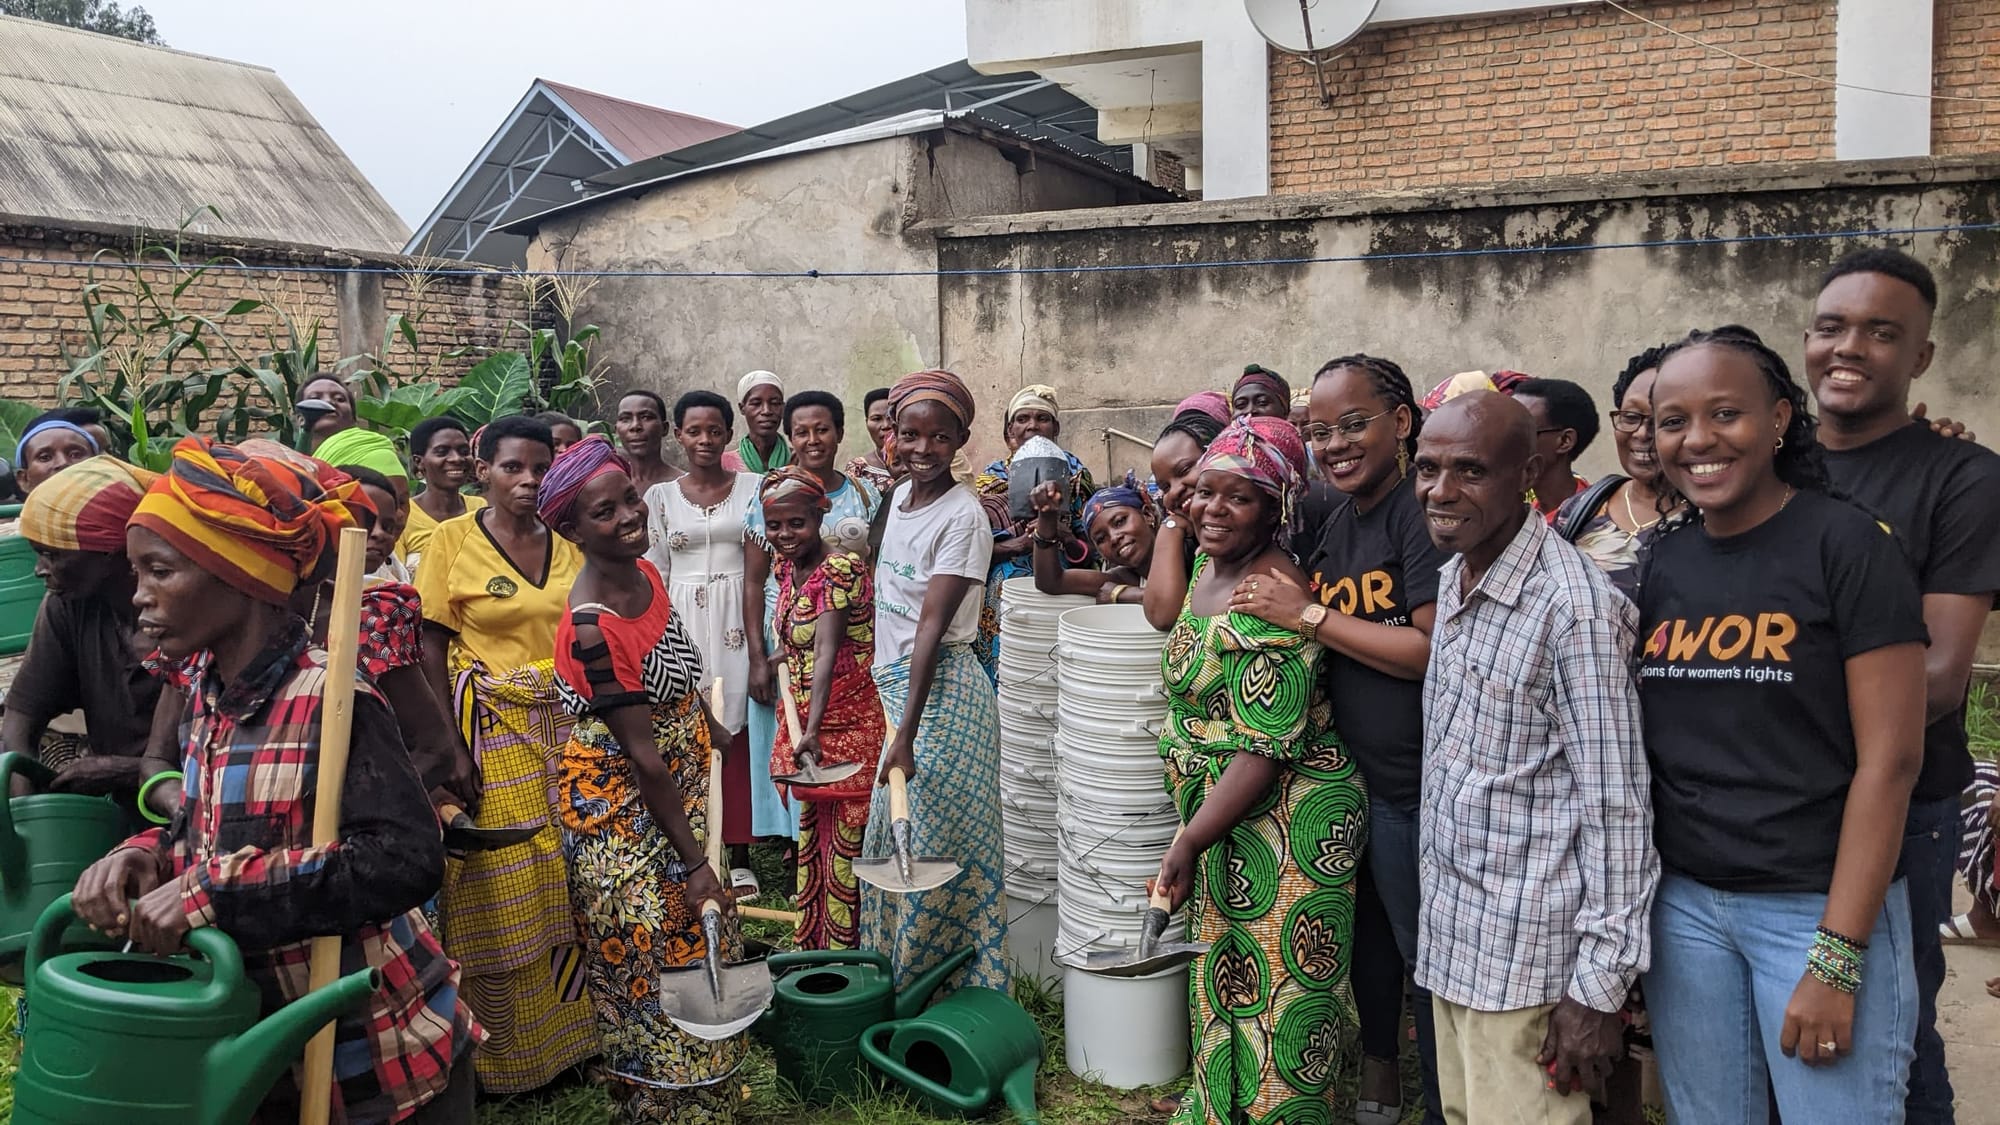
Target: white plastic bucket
x=1126 y=1032
x=1031 y=935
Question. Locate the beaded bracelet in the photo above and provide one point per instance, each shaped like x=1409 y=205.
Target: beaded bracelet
x=146 y=790
x=1835 y=961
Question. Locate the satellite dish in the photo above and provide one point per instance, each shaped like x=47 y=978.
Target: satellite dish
x=1305 y=27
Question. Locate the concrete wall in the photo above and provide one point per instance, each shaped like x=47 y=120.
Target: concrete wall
x=851 y=208
x=1122 y=346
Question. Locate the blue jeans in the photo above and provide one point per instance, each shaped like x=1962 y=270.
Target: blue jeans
x=1930 y=860
x=1724 y=967
x=1392 y=868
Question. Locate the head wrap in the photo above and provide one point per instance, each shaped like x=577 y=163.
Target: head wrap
x=790 y=482
x=1502 y=381
x=1212 y=403
x=1268 y=453
x=35 y=431
x=258 y=525
x=1196 y=423
x=1034 y=396
x=85 y=507
x=1301 y=397
x=1126 y=495
x=365 y=448
x=757 y=379
x=1257 y=375
x=555 y=500
x=934 y=385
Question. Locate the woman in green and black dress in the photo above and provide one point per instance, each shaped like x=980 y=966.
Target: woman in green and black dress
x=1275 y=813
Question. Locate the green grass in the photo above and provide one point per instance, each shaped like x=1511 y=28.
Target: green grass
x=1982 y=720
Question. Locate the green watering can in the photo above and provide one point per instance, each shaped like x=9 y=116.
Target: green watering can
x=822 y=1003
x=963 y=1052
x=46 y=841
x=123 y=1037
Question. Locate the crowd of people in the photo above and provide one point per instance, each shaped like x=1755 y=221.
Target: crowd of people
x=1675 y=758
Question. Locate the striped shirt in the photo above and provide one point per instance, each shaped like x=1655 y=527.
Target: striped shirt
x=241 y=851
x=1536 y=853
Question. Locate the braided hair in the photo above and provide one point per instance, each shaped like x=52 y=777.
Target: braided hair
x=1391 y=384
x=1200 y=426
x=1801 y=461
x=1638 y=365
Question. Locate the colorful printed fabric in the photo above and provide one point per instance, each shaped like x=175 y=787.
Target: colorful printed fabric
x=555 y=499
x=392 y=623
x=937 y=386
x=86 y=506
x=1215 y=404
x=872 y=470
x=626 y=882
x=257 y=525
x=833 y=818
x=506 y=913
x=243 y=856
x=1268 y=453
x=954 y=811
x=1275 y=898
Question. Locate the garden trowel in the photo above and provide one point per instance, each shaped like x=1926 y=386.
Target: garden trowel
x=1152 y=955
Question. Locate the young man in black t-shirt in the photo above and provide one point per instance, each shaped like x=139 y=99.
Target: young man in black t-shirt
x=1868 y=341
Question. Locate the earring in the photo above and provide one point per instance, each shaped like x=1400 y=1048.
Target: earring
x=1402 y=462
x=1781 y=442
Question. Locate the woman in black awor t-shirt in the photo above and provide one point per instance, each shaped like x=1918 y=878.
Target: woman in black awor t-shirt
x=1367 y=550
x=1783 y=682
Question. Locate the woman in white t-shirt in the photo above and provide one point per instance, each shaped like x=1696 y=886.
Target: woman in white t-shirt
x=936 y=548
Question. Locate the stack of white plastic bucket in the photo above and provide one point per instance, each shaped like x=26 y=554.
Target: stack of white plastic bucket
x=1116 y=821
x=1028 y=634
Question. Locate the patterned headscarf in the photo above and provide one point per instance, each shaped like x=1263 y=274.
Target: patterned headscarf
x=555 y=500
x=1502 y=381
x=1257 y=375
x=1215 y=404
x=365 y=448
x=937 y=386
x=1034 y=396
x=1268 y=453
x=1126 y=495
x=258 y=525
x=793 y=483
x=86 y=506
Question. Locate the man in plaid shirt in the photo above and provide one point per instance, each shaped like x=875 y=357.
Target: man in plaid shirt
x=239 y=856
x=1536 y=850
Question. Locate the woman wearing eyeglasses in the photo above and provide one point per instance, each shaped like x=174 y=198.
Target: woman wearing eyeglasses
x=1614 y=518
x=1373 y=571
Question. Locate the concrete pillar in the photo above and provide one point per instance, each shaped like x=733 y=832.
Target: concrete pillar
x=1884 y=45
x=1235 y=109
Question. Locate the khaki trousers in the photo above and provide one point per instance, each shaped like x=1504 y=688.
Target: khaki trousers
x=1487 y=1074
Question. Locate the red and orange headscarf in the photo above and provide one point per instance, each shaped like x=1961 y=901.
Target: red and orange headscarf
x=258 y=525
x=85 y=507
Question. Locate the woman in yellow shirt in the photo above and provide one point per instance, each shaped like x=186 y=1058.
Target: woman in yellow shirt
x=495 y=584
x=441 y=454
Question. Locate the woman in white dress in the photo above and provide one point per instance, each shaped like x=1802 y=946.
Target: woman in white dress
x=696 y=525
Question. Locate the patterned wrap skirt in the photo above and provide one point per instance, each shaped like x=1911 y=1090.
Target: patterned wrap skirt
x=833 y=819
x=955 y=812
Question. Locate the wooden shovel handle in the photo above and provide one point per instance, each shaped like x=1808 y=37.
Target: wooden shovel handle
x=343 y=638
x=899 y=794
x=1159 y=899
x=715 y=792
x=769 y=914
x=791 y=708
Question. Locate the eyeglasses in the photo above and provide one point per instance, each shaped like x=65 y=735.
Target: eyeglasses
x=1350 y=428
x=1629 y=421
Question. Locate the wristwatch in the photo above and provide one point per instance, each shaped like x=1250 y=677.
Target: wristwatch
x=1310 y=617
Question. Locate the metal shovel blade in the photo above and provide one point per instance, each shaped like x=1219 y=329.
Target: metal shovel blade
x=812 y=773
x=1127 y=963
x=902 y=873
x=462 y=835
x=715 y=999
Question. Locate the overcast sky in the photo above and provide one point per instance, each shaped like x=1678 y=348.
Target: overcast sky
x=412 y=88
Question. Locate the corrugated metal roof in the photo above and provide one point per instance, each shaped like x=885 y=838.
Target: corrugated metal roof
x=638 y=131
x=104 y=130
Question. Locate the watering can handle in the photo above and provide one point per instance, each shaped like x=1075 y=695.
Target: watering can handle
x=781 y=963
x=14 y=857
x=211 y=944
x=880 y=1060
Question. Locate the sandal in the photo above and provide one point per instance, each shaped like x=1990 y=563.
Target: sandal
x=1168 y=1104
x=1958 y=931
x=743 y=884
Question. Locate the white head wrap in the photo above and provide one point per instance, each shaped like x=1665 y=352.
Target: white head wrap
x=1034 y=396
x=757 y=379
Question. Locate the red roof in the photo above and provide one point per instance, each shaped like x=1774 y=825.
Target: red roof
x=638 y=131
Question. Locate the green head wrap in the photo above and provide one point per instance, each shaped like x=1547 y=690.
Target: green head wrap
x=366 y=448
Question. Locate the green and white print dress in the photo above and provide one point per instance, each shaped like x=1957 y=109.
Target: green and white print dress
x=1275 y=898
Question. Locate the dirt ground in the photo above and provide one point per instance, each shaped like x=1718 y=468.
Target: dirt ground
x=1969 y=1019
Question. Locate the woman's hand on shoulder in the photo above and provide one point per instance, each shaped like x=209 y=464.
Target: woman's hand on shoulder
x=1273 y=598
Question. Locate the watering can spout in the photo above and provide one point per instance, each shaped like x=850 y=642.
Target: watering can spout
x=249 y=1064
x=916 y=994
x=1018 y=1090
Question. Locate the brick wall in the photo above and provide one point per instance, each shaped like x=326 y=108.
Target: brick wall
x=44 y=271
x=1967 y=34
x=1564 y=91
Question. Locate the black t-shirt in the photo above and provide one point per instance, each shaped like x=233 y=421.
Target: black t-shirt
x=1379 y=566
x=80 y=656
x=1743 y=678
x=1941 y=496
